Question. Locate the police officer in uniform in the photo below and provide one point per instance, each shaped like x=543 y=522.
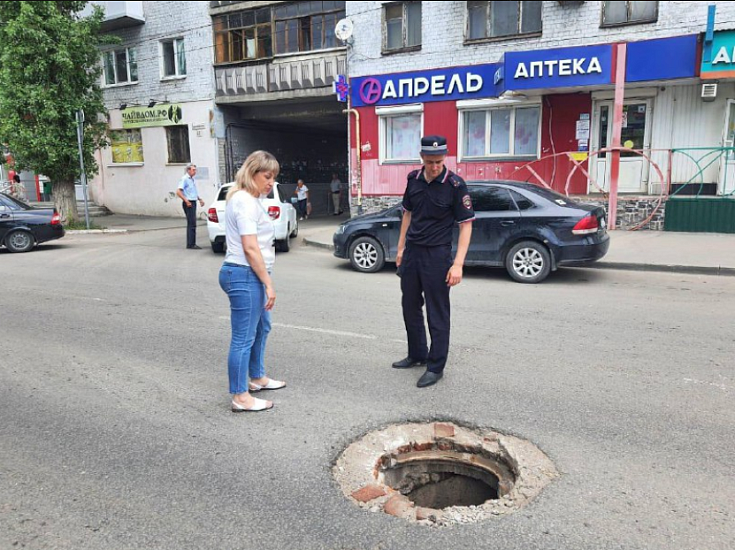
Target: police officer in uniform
x=435 y=200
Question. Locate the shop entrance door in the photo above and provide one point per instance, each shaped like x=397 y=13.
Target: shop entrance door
x=636 y=134
x=727 y=166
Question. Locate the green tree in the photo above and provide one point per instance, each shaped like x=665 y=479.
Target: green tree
x=50 y=69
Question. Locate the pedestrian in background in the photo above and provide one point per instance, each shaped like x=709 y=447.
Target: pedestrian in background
x=245 y=277
x=336 y=188
x=302 y=195
x=435 y=200
x=188 y=193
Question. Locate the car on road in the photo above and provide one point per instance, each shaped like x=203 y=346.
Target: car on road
x=279 y=208
x=527 y=229
x=23 y=226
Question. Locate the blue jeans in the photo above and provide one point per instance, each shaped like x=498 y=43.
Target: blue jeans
x=250 y=322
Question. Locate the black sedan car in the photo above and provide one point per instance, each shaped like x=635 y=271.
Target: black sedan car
x=527 y=229
x=23 y=226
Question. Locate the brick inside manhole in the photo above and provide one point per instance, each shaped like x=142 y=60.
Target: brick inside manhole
x=441 y=473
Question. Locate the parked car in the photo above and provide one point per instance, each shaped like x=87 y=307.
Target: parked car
x=22 y=226
x=278 y=207
x=527 y=229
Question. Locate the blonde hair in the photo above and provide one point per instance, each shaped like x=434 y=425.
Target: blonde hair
x=258 y=161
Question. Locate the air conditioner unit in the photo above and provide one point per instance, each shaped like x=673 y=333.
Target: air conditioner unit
x=709 y=92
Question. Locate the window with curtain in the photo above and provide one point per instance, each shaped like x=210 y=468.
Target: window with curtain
x=402 y=26
x=401 y=137
x=501 y=132
x=174 y=58
x=120 y=66
x=628 y=12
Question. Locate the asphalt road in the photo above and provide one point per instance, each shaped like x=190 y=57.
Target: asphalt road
x=116 y=432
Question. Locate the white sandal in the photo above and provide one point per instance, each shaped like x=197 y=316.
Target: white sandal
x=258 y=405
x=271 y=385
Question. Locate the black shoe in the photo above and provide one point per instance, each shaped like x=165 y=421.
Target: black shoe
x=195 y=247
x=407 y=363
x=429 y=379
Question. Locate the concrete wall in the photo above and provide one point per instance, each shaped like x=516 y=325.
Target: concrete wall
x=443 y=33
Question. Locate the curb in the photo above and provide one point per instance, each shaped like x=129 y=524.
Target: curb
x=315 y=244
x=618 y=266
x=665 y=268
x=94 y=231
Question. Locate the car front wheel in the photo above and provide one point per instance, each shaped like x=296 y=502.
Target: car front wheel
x=366 y=255
x=528 y=262
x=19 y=241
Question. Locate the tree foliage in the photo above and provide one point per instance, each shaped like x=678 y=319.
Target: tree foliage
x=49 y=69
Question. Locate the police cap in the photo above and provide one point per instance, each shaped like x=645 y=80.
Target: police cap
x=433 y=145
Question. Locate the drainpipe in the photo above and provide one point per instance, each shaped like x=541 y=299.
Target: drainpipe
x=351 y=111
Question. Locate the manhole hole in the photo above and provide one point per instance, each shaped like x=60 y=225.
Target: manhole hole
x=441 y=473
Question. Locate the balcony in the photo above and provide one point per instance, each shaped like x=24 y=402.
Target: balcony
x=303 y=76
x=119 y=15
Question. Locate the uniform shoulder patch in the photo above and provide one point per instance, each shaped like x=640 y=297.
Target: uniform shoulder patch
x=455 y=180
x=467 y=202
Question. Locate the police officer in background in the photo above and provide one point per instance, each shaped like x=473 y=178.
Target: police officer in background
x=435 y=199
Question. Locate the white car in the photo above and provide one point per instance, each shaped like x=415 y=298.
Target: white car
x=281 y=212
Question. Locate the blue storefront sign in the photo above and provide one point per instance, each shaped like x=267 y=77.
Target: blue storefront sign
x=662 y=59
x=450 y=84
x=559 y=68
x=577 y=67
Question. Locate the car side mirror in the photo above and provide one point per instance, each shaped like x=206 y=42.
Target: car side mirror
x=3 y=208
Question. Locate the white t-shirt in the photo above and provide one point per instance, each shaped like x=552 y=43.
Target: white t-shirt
x=301 y=192
x=245 y=215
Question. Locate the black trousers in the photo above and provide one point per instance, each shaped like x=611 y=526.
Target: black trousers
x=423 y=274
x=191 y=223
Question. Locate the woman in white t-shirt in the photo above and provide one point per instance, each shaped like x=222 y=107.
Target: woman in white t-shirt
x=246 y=278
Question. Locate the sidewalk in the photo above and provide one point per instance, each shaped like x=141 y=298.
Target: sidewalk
x=703 y=253
x=123 y=223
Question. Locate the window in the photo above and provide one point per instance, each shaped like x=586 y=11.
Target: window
x=174 y=58
x=502 y=131
x=491 y=199
x=306 y=26
x=499 y=19
x=127 y=146
x=243 y=36
x=400 y=133
x=178 y=144
x=628 y=13
x=120 y=66
x=402 y=26
x=521 y=202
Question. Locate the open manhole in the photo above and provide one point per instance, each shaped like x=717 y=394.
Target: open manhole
x=441 y=473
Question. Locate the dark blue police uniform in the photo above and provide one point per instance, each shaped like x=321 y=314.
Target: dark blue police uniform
x=435 y=206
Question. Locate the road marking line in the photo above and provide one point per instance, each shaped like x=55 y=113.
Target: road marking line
x=325 y=331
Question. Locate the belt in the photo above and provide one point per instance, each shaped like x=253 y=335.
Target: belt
x=230 y=264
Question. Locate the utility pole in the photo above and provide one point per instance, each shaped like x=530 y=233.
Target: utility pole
x=80 y=140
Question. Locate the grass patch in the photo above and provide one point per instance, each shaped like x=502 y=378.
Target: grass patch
x=81 y=225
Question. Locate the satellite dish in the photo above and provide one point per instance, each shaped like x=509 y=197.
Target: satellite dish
x=344 y=29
